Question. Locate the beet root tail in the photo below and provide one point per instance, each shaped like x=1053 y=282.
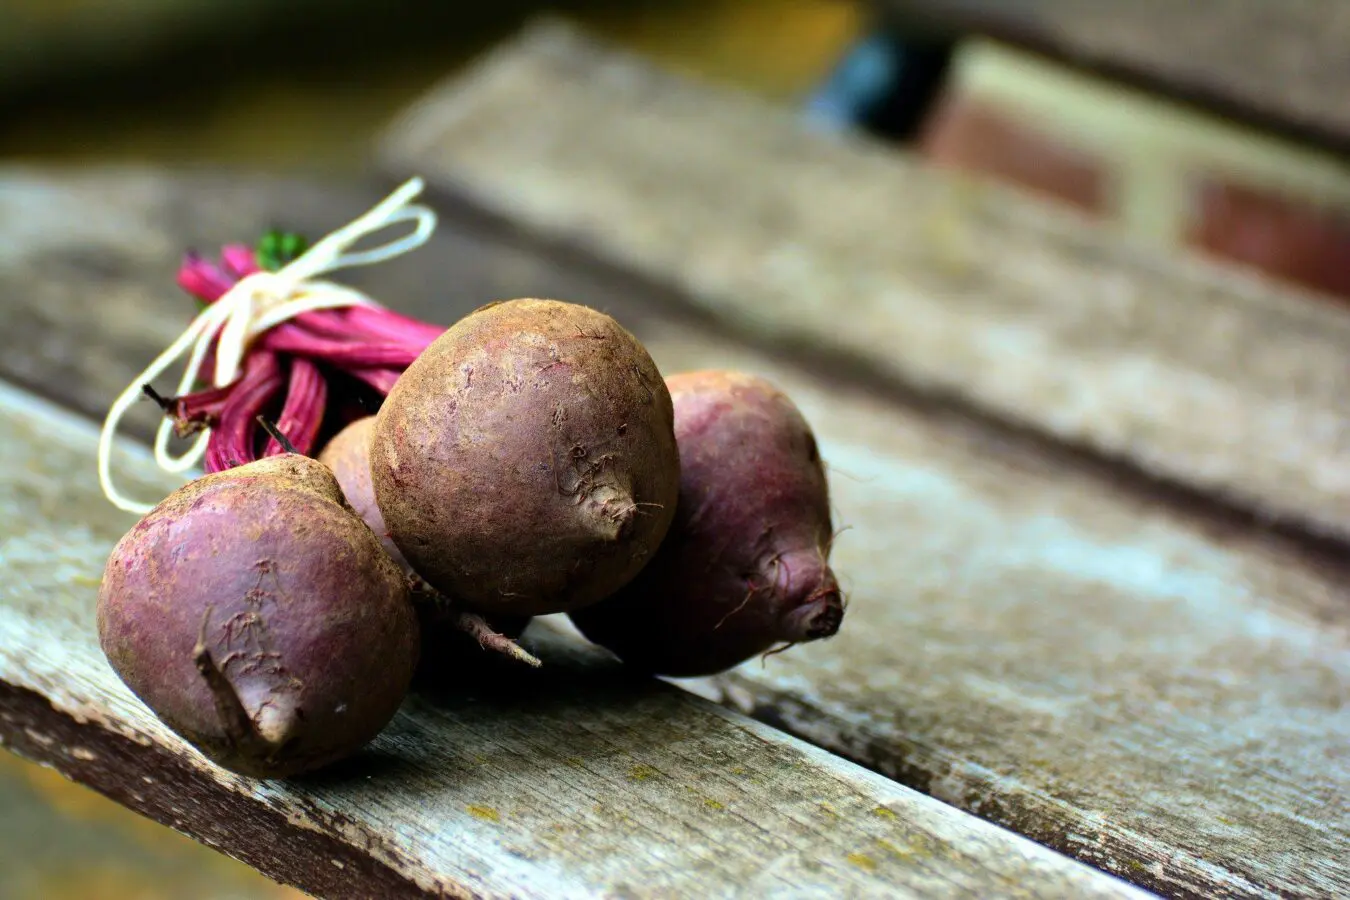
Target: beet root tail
x=477 y=627
x=818 y=618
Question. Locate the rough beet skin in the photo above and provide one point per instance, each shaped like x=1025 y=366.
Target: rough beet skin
x=745 y=565
x=260 y=619
x=526 y=461
x=452 y=643
x=347 y=455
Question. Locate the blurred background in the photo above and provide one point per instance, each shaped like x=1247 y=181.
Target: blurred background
x=303 y=86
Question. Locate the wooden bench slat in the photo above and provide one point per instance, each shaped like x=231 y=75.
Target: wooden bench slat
x=1283 y=64
x=1140 y=687
x=570 y=782
x=1193 y=373
x=1143 y=691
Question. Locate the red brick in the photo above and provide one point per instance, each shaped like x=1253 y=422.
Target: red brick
x=965 y=133
x=1285 y=236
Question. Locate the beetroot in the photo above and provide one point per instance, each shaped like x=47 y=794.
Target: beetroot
x=348 y=456
x=259 y=618
x=526 y=462
x=744 y=567
x=446 y=632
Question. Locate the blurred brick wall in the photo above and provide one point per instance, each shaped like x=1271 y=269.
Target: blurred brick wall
x=1161 y=172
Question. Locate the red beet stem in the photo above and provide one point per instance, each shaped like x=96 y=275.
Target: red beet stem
x=203 y=279
x=296 y=341
x=369 y=324
x=302 y=415
x=390 y=325
x=239 y=260
x=192 y=412
x=298 y=358
x=233 y=441
x=381 y=380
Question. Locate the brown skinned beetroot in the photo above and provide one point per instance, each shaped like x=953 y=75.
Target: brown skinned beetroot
x=526 y=463
x=260 y=619
x=449 y=643
x=745 y=565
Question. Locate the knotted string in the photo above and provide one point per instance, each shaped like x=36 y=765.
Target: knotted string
x=256 y=303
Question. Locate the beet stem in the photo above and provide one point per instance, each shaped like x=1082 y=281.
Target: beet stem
x=161 y=401
x=277 y=435
x=302 y=414
x=232 y=440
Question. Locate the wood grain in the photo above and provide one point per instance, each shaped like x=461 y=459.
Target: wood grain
x=574 y=781
x=1282 y=65
x=1195 y=374
x=1147 y=689
x=1163 y=697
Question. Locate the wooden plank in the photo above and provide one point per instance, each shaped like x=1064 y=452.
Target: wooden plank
x=1190 y=372
x=1282 y=65
x=1141 y=686
x=569 y=782
x=1162 y=696
x=88 y=259
x=49 y=823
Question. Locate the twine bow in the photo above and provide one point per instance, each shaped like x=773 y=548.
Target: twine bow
x=256 y=303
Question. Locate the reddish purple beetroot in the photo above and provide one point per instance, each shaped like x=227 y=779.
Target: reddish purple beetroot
x=260 y=619
x=744 y=567
x=526 y=463
x=347 y=454
x=452 y=640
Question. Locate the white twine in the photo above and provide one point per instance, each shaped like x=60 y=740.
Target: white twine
x=250 y=307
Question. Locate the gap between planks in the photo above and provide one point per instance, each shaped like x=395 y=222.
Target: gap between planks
x=1199 y=376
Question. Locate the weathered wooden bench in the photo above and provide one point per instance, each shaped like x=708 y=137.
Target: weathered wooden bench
x=1098 y=640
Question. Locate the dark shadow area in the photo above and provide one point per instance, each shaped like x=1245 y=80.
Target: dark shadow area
x=571 y=668
x=884 y=84
x=183 y=83
x=347 y=42
x=371 y=761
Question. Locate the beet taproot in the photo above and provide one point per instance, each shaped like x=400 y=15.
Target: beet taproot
x=745 y=566
x=526 y=462
x=452 y=639
x=258 y=617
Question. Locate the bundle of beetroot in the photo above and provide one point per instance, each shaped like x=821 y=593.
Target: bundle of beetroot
x=381 y=492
